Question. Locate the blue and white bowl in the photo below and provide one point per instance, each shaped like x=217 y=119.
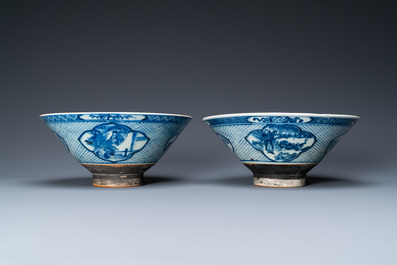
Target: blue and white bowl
x=280 y=148
x=117 y=147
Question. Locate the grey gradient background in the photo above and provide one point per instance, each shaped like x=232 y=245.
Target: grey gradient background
x=198 y=58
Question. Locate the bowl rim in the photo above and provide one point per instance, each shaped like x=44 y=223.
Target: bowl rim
x=281 y=114
x=114 y=112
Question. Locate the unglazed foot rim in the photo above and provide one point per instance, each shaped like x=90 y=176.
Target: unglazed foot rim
x=118 y=175
x=279 y=183
x=280 y=175
x=117 y=180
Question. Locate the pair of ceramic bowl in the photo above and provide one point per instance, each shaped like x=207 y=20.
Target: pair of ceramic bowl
x=118 y=147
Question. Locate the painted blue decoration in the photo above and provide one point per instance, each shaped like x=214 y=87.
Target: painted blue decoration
x=116 y=138
x=333 y=143
x=281 y=143
x=277 y=138
x=137 y=117
x=113 y=142
x=114 y=117
x=62 y=141
x=170 y=142
x=227 y=142
x=254 y=118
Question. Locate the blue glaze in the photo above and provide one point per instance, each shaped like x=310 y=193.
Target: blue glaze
x=280 y=138
x=116 y=138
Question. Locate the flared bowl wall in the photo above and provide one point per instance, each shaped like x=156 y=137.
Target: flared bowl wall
x=116 y=147
x=280 y=148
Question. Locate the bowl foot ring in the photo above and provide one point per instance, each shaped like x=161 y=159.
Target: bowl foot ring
x=117 y=180
x=280 y=175
x=279 y=182
x=117 y=176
